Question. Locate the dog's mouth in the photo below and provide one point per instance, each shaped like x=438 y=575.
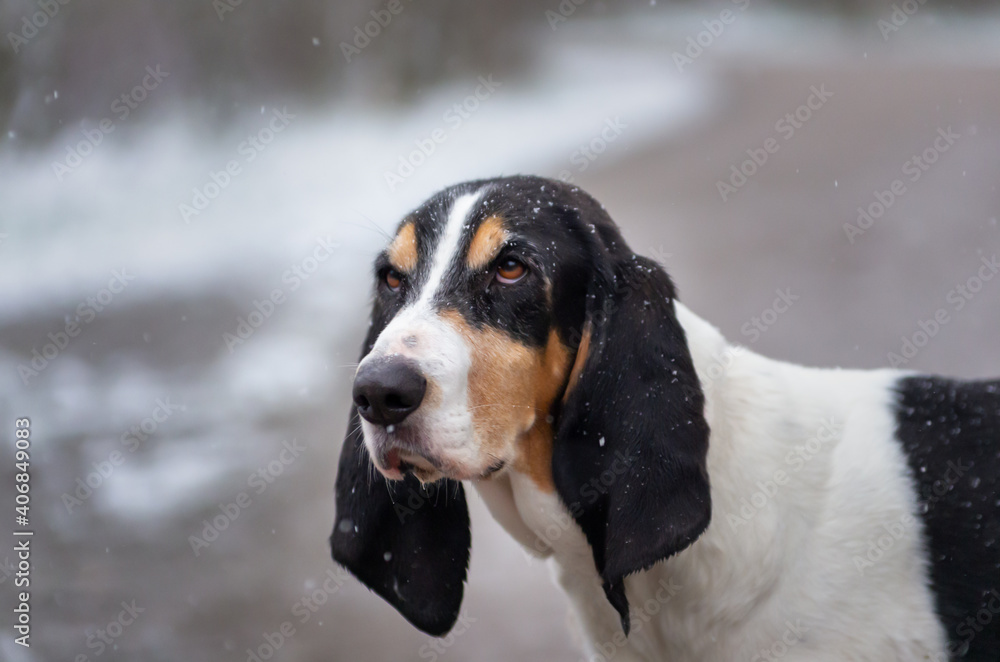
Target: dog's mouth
x=401 y=452
x=402 y=462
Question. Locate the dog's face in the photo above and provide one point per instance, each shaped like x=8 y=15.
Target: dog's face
x=514 y=330
x=462 y=379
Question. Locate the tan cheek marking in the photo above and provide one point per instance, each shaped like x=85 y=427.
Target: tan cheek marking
x=489 y=239
x=501 y=395
x=535 y=459
x=511 y=391
x=403 y=249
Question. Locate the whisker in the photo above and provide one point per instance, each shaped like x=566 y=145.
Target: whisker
x=372 y=223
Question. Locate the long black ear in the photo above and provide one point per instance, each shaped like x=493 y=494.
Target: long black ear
x=629 y=457
x=408 y=543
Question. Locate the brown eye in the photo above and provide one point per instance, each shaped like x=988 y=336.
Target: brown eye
x=393 y=279
x=510 y=271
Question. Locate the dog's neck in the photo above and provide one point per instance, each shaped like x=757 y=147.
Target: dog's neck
x=742 y=390
x=533 y=514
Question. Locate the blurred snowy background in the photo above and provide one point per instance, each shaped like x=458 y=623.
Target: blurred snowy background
x=166 y=167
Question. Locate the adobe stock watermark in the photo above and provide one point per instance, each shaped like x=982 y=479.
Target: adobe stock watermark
x=363 y=35
x=454 y=117
x=292 y=278
x=972 y=626
x=699 y=43
x=632 y=280
x=86 y=312
x=30 y=25
x=792 y=637
x=913 y=169
x=249 y=149
x=759 y=324
x=639 y=616
x=958 y=298
x=562 y=12
x=563 y=520
x=795 y=461
x=786 y=127
x=105 y=638
x=585 y=154
x=316 y=596
x=405 y=506
x=754 y=330
x=121 y=107
x=899 y=17
x=223 y=7
x=131 y=440
x=258 y=482
x=435 y=648
x=876 y=547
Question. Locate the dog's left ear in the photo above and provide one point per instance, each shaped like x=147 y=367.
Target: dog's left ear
x=629 y=456
x=408 y=543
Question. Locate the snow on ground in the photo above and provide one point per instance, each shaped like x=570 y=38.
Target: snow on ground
x=162 y=338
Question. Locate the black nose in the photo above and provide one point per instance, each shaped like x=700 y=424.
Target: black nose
x=388 y=391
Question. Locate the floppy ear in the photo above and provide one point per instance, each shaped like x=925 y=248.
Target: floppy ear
x=629 y=456
x=408 y=543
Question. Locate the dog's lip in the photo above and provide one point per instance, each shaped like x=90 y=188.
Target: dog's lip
x=392 y=461
x=411 y=460
x=399 y=455
x=402 y=452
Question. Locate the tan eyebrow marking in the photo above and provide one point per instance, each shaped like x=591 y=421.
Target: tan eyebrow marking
x=490 y=238
x=403 y=249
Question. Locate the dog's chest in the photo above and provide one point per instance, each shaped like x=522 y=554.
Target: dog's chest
x=657 y=595
x=552 y=525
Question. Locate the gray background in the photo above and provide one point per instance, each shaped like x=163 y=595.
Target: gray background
x=163 y=336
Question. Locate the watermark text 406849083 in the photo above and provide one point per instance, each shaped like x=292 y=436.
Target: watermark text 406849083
x=22 y=534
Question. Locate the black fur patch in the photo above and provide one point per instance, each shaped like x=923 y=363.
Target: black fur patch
x=951 y=433
x=407 y=543
x=635 y=415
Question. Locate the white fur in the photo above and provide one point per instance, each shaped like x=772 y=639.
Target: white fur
x=790 y=581
x=418 y=333
x=447 y=246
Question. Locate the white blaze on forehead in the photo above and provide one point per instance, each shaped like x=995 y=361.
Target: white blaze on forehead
x=440 y=352
x=448 y=245
x=417 y=321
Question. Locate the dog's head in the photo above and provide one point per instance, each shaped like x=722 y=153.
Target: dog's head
x=514 y=330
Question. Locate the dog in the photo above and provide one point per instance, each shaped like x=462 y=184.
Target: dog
x=698 y=501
